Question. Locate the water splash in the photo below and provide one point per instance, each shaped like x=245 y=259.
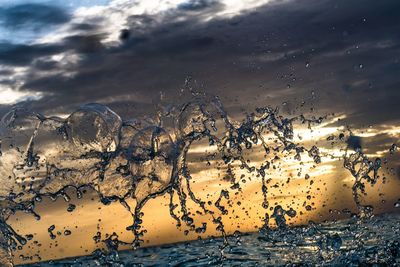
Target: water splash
x=94 y=148
x=364 y=171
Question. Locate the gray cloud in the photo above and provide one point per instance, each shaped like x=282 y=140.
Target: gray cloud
x=23 y=55
x=84 y=43
x=35 y=16
x=344 y=51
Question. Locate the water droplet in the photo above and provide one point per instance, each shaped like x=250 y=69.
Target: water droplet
x=67 y=232
x=393 y=149
x=71 y=207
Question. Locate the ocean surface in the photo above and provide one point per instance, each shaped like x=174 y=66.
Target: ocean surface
x=368 y=242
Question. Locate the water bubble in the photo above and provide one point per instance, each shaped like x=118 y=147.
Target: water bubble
x=94 y=127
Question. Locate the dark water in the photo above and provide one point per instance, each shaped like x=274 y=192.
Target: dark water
x=373 y=241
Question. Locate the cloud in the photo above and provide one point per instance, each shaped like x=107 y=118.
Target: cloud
x=84 y=43
x=22 y=55
x=279 y=52
x=197 y=5
x=9 y=96
x=35 y=16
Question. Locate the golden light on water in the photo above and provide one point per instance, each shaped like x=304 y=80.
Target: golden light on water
x=316 y=191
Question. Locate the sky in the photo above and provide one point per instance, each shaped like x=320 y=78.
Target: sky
x=341 y=58
x=57 y=56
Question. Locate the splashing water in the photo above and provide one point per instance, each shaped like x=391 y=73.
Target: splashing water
x=140 y=160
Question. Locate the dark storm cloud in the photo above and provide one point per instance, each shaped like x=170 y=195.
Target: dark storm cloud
x=84 y=43
x=32 y=15
x=85 y=26
x=6 y=72
x=22 y=55
x=344 y=51
x=45 y=65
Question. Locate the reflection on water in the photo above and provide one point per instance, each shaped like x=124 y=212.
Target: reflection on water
x=133 y=161
x=344 y=243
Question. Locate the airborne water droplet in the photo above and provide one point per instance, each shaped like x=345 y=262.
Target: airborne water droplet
x=67 y=232
x=393 y=149
x=71 y=207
